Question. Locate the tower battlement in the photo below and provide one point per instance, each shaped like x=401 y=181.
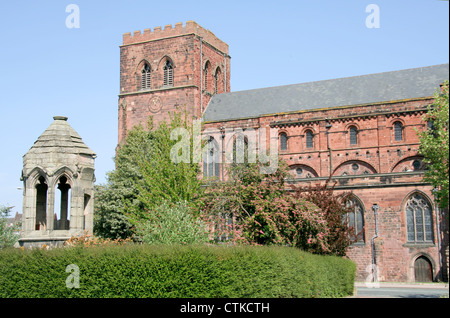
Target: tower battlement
x=191 y=27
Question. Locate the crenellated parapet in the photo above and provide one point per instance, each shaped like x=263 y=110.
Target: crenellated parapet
x=191 y=27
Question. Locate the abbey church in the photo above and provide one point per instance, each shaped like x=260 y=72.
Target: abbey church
x=360 y=131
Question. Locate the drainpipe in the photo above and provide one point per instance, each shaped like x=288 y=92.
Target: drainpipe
x=375 y=208
x=201 y=77
x=438 y=230
x=328 y=126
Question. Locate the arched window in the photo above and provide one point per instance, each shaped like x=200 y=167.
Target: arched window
x=146 y=78
x=168 y=73
x=217 y=76
x=41 y=204
x=419 y=219
x=240 y=149
x=309 y=139
x=353 y=135
x=206 y=73
x=211 y=159
x=62 y=205
x=283 y=142
x=355 y=219
x=398 y=131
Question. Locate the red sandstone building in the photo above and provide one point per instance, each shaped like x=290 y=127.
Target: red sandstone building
x=361 y=131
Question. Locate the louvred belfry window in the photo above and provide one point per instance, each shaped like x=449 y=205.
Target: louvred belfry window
x=146 y=81
x=168 y=74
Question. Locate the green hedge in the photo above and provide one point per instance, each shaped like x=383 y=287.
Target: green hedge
x=175 y=271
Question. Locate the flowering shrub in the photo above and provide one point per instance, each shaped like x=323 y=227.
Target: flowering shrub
x=333 y=208
x=265 y=213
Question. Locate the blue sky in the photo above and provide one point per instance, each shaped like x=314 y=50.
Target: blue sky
x=48 y=69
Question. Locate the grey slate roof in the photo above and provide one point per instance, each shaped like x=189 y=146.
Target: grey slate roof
x=357 y=90
x=60 y=137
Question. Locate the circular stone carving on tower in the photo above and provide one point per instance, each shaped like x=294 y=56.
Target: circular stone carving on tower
x=155 y=104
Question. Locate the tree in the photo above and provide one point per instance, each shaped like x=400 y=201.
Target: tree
x=434 y=145
x=8 y=234
x=110 y=217
x=162 y=178
x=145 y=178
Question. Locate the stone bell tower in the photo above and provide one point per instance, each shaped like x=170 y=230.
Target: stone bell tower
x=58 y=177
x=164 y=70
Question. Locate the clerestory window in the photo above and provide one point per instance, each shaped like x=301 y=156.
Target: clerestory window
x=398 y=131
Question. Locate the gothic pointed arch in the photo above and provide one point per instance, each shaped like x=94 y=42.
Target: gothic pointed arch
x=143 y=75
x=355 y=218
x=165 y=72
x=418 y=211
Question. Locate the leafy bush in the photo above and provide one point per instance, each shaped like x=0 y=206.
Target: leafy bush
x=172 y=224
x=163 y=271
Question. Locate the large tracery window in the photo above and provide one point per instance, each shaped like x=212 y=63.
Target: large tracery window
x=419 y=219
x=355 y=220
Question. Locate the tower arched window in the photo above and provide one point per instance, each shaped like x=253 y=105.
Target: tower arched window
x=168 y=73
x=309 y=139
x=206 y=74
x=419 y=220
x=146 y=77
x=398 y=131
x=353 y=135
x=283 y=141
x=217 y=76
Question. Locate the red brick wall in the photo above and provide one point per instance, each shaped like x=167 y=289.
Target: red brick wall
x=389 y=180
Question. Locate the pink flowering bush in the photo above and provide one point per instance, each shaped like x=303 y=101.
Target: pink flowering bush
x=257 y=209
